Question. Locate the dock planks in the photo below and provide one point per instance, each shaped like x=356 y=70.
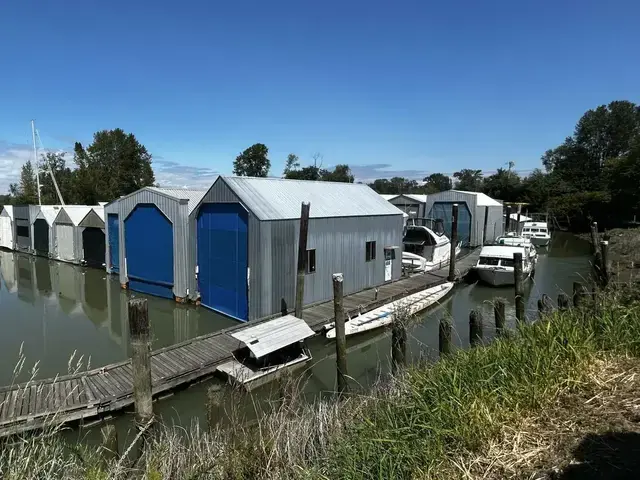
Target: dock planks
x=104 y=390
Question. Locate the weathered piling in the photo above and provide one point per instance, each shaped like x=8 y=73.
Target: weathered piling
x=215 y=410
x=341 y=337
x=605 y=271
x=109 y=440
x=518 y=219
x=141 y=360
x=444 y=336
x=545 y=306
x=594 y=237
x=398 y=345
x=519 y=285
x=563 y=302
x=475 y=328
x=578 y=294
x=484 y=228
x=507 y=228
x=454 y=241
x=302 y=257
x=499 y=315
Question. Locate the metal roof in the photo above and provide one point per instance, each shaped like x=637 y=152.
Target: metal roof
x=193 y=196
x=273 y=335
x=9 y=210
x=483 y=199
x=77 y=212
x=417 y=197
x=280 y=199
x=99 y=209
x=502 y=251
x=388 y=196
x=514 y=216
x=48 y=213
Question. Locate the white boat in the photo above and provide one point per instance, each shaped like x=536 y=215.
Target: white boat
x=424 y=249
x=495 y=265
x=383 y=316
x=537 y=232
x=267 y=351
x=511 y=239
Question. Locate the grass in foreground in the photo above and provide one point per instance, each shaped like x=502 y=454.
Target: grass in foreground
x=485 y=413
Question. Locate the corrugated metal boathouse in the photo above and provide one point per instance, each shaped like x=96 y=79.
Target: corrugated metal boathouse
x=79 y=235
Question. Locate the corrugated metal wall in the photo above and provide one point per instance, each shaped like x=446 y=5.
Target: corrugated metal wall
x=221 y=193
x=477 y=213
x=21 y=216
x=411 y=207
x=177 y=213
x=495 y=225
x=113 y=207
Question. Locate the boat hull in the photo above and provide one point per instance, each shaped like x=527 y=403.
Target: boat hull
x=498 y=278
x=541 y=241
x=237 y=373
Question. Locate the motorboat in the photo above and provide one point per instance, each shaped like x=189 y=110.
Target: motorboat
x=537 y=232
x=511 y=239
x=383 y=316
x=424 y=249
x=267 y=351
x=496 y=264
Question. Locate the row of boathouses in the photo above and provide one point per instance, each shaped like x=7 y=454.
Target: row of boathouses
x=233 y=247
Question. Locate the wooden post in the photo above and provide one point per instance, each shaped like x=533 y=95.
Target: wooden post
x=519 y=287
x=518 y=220
x=499 y=315
x=444 y=337
x=563 y=302
x=215 y=410
x=302 y=257
x=109 y=448
x=284 y=311
x=398 y=346
x=475 y=328
x=486 y=220
x=594 y=237
x=454 y=241
x=341 y=338
x=578 y=294
x=508 y=222
x=141 y=360
x=604 y=271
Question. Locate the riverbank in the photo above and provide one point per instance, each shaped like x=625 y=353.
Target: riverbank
x=529 y=404
x=624 y=248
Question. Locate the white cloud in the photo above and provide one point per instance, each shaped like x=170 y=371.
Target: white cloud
x=12 y=157
x=173 y=174
x=369 y=173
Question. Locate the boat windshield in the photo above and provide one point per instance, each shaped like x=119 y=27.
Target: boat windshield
x=507 y=262
x=489 y=261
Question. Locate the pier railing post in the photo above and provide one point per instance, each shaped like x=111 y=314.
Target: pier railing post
x=302 y=257
x=499 y=315
x=444 y=337
x=605 y=272
x=594 y=237
x=398 y=345
x=141 y=360
x=341 y=337
x=507 y=224
x=475 y=328
x=519 y=287
x=454 y=241
x=518 y=220
x=484 y=229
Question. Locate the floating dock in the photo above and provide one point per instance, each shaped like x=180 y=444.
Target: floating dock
x=100 y=392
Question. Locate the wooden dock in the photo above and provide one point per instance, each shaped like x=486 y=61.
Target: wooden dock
x=100 y=392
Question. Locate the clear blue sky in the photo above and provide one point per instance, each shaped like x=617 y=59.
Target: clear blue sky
x=416 y=85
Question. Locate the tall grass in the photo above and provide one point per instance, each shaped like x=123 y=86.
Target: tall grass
x=416 y=426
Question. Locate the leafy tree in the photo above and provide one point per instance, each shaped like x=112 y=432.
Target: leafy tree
x=253 y=162
x=26 y=191
x=306 y=173
x=437 y=182
x=340 y=173
x=504 y=185
x=293 y=163
x=396 y=186
x=55 y=162
x=468 y=180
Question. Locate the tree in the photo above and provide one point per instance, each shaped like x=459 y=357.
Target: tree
x=468 y=180
x=55 y=162
x=504 y=184
x=437 y=182
x=26 y=191
x=340 y=173
x=293 y=163
x=253 y=162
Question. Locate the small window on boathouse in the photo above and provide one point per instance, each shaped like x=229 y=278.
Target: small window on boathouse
x=371 y=251
x=311 y=261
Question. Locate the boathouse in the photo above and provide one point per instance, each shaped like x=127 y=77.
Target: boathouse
x=79 y=235
x=411 y=204
x=472 y=208
x=6 y=228
x=42 y=217
x=22 y=226
x=147 y=240
x=246 y=243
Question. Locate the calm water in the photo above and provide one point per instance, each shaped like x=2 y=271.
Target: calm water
x=54 y=309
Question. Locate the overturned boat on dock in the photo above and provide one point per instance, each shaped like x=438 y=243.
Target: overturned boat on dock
x=384 y=316
x=267 y=351
x=426 y=247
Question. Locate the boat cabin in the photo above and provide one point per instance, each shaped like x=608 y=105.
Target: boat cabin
x=423 y=237
x=502 y=256
x=536 y=229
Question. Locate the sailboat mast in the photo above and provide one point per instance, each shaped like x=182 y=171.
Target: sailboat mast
x=35 y=156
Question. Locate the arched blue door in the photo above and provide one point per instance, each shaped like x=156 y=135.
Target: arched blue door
x=148 y=240
x=114 y=242
x=222 y=258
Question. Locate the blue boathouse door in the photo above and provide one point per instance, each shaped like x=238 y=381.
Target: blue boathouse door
x=148 y=239
x=222 y=258
x=114 y=242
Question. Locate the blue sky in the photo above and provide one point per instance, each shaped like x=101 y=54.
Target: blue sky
x=404 y=87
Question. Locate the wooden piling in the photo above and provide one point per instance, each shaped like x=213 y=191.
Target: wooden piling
x=519 y=286
x=475 y=328
x=341 y=338
x=398 y=346
x=486 y=221
x=578 y=294
x=499 y=315
x=444 y=337
x=454 y=241
x=563 y=302
x=508 y=221
x=141 y=360
x=605 y=271
x=594 y=237
x=518 y=219
x=302 y=257
x=109 y=447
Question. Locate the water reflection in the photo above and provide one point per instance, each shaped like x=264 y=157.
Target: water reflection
x=53 y=310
